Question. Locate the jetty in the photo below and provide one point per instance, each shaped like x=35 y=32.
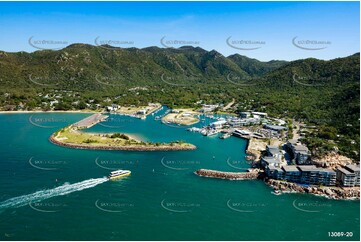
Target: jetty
x=252 y=174
x=90 y=121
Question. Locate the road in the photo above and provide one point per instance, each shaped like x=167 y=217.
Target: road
x=229 y=105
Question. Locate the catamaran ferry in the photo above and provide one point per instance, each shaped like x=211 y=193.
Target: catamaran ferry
x=118 y=174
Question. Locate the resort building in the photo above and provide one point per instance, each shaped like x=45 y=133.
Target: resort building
x=275 y=173
x=241 y=133
x=291 y=173
x=349 y=176
x=208 y=108
x=270 y=161
x=276 y=128
x=313 y=175
x=300 y=152
x=310 y=175
x=262 y=115
x=245 y=115
x=274 y=151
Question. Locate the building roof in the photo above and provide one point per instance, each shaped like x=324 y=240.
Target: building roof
x=326 y=170
x=308 y=168
x=270 y=159
x=300 y=148
x=260 y=113
x=274 y=127
x=219 y=122
x=344 y=171
x=353 y=168
x=293 y=141
x=305 y=168
x=289 y=168
x=273 y=168
x=245 y=132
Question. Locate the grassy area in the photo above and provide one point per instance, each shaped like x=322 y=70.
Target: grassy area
x=71 y=135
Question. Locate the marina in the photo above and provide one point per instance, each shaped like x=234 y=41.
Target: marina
x=139 y=197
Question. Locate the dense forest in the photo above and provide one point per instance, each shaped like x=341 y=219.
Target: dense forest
x=321 y=93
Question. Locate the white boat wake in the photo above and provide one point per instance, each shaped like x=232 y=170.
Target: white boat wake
x=48 y=193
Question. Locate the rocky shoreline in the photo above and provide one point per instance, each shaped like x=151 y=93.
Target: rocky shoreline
x=329 y=192
x=175 y=147
x=254 y=149
x=228 y=175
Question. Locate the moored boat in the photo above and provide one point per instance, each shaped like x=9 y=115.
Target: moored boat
x=225 y=136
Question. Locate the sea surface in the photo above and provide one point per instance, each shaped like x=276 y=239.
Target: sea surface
x=49 y=192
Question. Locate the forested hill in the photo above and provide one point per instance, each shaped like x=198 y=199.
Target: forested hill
x=325 y=93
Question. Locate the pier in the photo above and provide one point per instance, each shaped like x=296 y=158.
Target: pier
x=90 y=121
x=252 y=174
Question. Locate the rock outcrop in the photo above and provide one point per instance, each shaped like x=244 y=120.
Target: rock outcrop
x=330 y=192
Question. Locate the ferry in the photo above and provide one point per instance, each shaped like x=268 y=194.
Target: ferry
x=118 y=174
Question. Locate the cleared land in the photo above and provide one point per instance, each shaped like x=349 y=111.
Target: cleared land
x=182 y=117
x=133 y=110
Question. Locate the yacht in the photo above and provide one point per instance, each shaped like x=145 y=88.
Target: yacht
x=118 y=174
x=225 y=136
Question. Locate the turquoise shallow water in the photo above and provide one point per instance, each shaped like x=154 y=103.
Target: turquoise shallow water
x=161 y=200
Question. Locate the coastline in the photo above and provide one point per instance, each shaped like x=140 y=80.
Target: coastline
x=335 y=193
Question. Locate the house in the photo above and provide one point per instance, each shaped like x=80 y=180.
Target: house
x=349 y=176
x=113 y=108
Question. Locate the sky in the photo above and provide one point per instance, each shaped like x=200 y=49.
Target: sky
x=262 y=30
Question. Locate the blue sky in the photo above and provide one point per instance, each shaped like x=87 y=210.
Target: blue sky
x=261 y=30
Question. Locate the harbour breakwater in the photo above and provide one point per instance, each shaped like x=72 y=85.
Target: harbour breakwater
x=250 y=175
x=167 y=147
x=329 y=192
